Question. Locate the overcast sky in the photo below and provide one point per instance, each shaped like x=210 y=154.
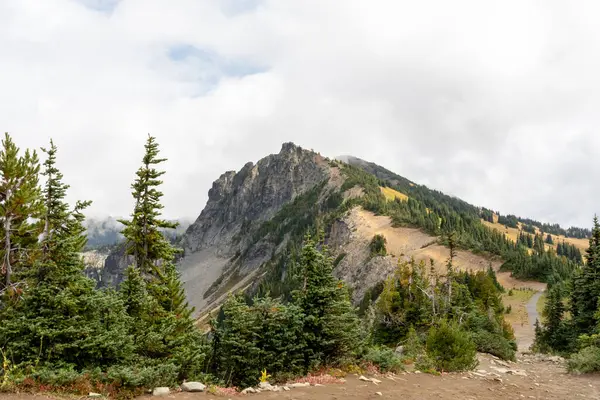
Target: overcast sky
x=496 y=102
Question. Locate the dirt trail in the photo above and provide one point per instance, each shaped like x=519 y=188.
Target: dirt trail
x=532 y=309
x=536 y=379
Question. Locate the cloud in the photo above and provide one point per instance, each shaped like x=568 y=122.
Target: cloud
x=493 y=102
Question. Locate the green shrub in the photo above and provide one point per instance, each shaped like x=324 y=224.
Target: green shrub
x=377 y=246
x=248 y=339
x=384 y=358
x=451 y=348
x=413 y=347
x=425 y=364
x=585 y=361
x=163 y=374
x=494 y=344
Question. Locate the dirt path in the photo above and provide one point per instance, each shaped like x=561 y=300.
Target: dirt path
x=532 y=309
x=525 y=331
x=536 y=379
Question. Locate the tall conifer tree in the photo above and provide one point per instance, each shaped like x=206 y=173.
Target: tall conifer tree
x=331 y=326
x=20 y=204
x=152 y=289
x=69 y=323
x=586 y=287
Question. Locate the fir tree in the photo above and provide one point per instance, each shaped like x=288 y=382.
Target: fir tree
x=266 y=335
x=69 y=323
x=20 y=204
x=144 y=239
x=154 y=293
x=331 y=326
x=153 y=254
x=586 y=287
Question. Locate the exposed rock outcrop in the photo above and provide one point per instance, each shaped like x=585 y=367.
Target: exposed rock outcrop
x=222 y=250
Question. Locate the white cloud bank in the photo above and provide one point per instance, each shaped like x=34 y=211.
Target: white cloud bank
x=495 y=102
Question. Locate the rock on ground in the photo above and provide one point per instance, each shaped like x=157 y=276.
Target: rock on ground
x=193 y=387
x=161 y=391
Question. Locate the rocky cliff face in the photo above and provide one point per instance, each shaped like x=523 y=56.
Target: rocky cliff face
x=238 y=204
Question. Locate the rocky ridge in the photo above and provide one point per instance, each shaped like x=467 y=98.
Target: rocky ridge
x=223 y=247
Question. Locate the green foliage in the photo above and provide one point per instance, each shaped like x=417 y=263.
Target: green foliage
x=450 y=348
x=20 y=206
x=417 y=300
x=318 y=326
x=250 y=338
x=569 y=251
x=556 y=333
x=579 y=332
x=497 y=345
x=61 y=320
x=586 y=287
x=587 y=360
x=331 y=325
x=142 y=233
x=441 y=215
x=384 y=358
x=154 y=296
x=377 y=246
x=414 y=345
x=296 y=217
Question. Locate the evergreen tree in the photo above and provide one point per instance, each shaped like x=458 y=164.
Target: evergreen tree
x=549 y=239
x=68 y=322
x=20 y=205
x=155 y=289
x=331 y=325
x=153 y=254
x=247 y=339
x=538 y=244
x=586 y=287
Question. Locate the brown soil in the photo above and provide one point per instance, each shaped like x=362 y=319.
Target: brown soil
x=544 y=380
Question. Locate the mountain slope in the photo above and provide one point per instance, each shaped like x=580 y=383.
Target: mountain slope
x=254 y=219
x=225 y=246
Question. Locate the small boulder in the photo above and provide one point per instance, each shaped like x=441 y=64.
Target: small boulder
x=267 y=387
x=379 y=393
x=161 y=391
x=375 y=381
x=517 y=372
x=364 y=378
x=299 y=385
x=400 y=350
x=193 y=387
x=285 y=388
x=95 y=395
x=248 y=390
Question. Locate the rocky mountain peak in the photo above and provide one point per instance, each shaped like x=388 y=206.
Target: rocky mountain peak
x=238 y=203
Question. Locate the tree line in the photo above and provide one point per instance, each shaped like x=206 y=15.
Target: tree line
x=440 y=215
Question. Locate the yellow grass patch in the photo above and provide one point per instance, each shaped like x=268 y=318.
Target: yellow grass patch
x=513 y=234
x=391 y=194
x=518 y=317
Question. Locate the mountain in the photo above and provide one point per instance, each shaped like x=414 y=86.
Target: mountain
x=226 y=246
x=248 y=235
x=104 y=254
x=253 y=223
x=106 y=232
